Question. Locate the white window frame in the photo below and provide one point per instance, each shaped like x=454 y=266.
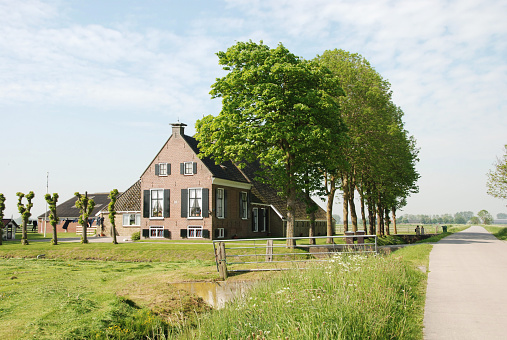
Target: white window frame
x=255 y=219
x=244 y=204
x=199 y=202
x=162 y=166
x=221 y=232
x=220 y=199
x=194 y=231
x=159 y=199
x=128 y=217
x=158 y=230
x=188 y=171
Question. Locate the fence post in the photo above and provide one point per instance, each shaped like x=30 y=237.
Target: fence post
x=269 y=251
x=221 y=260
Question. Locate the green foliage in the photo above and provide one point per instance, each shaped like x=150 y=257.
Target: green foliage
x=277 y=109
x=497 y=179
x=474 y=220
x=53 y=217
x=113 y=195
x=85 y=206
x=136 y=236
x=25 y=213
x=499 y=232
x=485 y=217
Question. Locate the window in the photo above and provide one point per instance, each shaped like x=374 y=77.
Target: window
x=243 y=205
x=162 y=169
x=131 y=220
x=220 y=203
x=255 y=219
x=195 y=202
x=157 y=200
x=220 y=233
x=194 y=232
x=189 y=168
x=156 y=231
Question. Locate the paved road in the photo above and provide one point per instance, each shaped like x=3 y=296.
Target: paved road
x=466 y=296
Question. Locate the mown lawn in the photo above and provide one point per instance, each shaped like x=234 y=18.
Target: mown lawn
x=500 y=232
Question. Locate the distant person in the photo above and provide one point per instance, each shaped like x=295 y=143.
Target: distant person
x=417 y=230
x=422 y=230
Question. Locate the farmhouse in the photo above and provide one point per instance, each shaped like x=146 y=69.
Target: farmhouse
x=182 y=196
x=69 y=214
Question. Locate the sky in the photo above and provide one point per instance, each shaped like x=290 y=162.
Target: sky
x=88 y=88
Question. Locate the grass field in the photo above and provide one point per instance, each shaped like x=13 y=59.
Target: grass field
x=500 y=232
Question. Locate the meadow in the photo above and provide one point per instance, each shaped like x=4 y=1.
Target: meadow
x=124 y=291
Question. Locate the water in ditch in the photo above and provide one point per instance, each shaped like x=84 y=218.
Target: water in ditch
x=216 y=294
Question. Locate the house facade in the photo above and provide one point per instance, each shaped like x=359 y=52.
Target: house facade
x=185 y=197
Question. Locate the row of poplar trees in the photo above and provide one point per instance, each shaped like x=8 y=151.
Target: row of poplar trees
x=84 y=203
x=315 y=126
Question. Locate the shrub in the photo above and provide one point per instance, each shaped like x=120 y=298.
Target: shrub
x=136 y=236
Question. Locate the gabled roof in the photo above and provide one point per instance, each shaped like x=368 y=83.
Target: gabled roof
x=130 y=200
x=8 y=220
x=268 y=195
x=68 y=208
x=226 y=170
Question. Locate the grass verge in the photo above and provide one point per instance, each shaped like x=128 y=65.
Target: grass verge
x=499 y=232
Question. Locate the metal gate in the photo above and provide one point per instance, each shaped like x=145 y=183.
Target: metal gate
x=260 y=254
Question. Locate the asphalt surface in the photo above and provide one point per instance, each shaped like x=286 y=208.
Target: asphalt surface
x=466 y=296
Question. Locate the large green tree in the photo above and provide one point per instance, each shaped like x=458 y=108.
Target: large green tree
x=485 y=217
x=497 y=179
x=113 y=195
x=2 y=209
x=85 y=206
x=53 y=216
x=379 y=154
x=24 y=210
x=278 y=109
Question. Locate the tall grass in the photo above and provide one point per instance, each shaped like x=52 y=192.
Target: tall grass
x=350 y=297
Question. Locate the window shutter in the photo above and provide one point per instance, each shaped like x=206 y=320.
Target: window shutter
x=183 y=233
x=167 y=203
x=146 y=233
x=253 y=222
x=267 y=219
x=182 y=168
x=216 y=233
x=225 y=232
x=240 y=205
x=167 y=233
x=205 y=202
x=225 y=203
x=262 y=213
x=248 y=209
x=157 y=169
x=184 y=203
x=146 y=203
x=168 y=168
x=205 y=233
x=194 y=164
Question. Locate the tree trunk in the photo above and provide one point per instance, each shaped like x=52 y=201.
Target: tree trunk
x=394 y=221
x=291 y=217
x=352 y=206
x=329 y=208
x=310 y=210
x=84 y=229
x=24 y=233
x=363 y=215
x=345 y=204
x=371 y=213
x=113 y=228
x=54 y=241
x=387 y=221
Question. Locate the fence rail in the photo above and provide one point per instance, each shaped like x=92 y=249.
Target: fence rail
x=261 y=251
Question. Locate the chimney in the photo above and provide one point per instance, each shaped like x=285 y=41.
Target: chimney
x=178 y=129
